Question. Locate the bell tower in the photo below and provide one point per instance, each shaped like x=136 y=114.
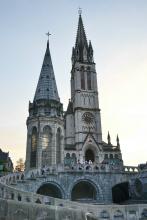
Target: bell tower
x=83 y=112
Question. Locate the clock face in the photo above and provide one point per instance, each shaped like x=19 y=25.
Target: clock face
x=88 y=118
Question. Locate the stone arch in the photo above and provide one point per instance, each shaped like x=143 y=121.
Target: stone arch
x=120 y=192
x=58 y=145
x=104 y=215
x=88 y=167
x=34 y=140
x=89 y=155
x=90 y=152
x=51 y=189
x=144 y=214
x=73 y=159
x=67 y=159
x=84 y=190
x=96 y=168
x=93 y=149
x=118 y=215
x=19 y=198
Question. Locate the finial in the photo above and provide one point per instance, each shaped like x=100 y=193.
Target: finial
x=108 y=138
x=117 y=140
x=48 y=34
x=80 y=11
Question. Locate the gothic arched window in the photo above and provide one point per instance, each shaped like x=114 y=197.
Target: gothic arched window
x=33 y=147
x=58 y=146
x=82 y=79
x=89 y=80
x=74 y=158
x=47 y=137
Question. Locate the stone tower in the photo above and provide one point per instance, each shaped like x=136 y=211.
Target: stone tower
x=83 y=134
x=45 y=126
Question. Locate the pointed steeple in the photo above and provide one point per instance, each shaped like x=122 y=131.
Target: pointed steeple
x=82 y=52
x=109 y=138
x=81 y=40
x=117 y=140
x=46 y=87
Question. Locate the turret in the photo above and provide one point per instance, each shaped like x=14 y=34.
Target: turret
x=45 y=122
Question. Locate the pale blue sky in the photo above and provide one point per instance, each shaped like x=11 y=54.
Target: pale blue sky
x=118 y=31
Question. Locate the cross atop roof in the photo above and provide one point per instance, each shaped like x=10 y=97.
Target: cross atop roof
x=80 y=11
x=48 y=34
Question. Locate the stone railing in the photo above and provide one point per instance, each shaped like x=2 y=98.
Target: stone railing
x=99 y=168
x=131 y=169
x=75 y=168
x=10 y=192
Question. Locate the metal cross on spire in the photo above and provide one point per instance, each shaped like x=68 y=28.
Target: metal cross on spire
x=80 y=11
x=48 y=34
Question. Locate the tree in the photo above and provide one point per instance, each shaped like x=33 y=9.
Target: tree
x=20 y=165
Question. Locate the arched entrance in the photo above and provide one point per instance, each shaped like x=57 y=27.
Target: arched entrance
x=83 y=191
x=50 y=189
x=89 y=155
x=120 y=192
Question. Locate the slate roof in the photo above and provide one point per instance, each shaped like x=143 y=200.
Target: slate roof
x=46 y=87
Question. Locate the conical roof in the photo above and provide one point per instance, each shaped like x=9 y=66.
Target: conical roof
x=46 y=87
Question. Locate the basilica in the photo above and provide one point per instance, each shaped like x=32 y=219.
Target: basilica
x=71 y=141
x=69 y=168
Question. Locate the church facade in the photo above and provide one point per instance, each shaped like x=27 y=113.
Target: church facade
x=74 y=136
x=66 y=157
x=70 y=142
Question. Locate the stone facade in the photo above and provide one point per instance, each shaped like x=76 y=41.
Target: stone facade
x=66 y=148
x=67 y=161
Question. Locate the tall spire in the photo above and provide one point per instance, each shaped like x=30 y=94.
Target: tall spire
x=46 y=88
x=82 y=52
x=81 y=39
